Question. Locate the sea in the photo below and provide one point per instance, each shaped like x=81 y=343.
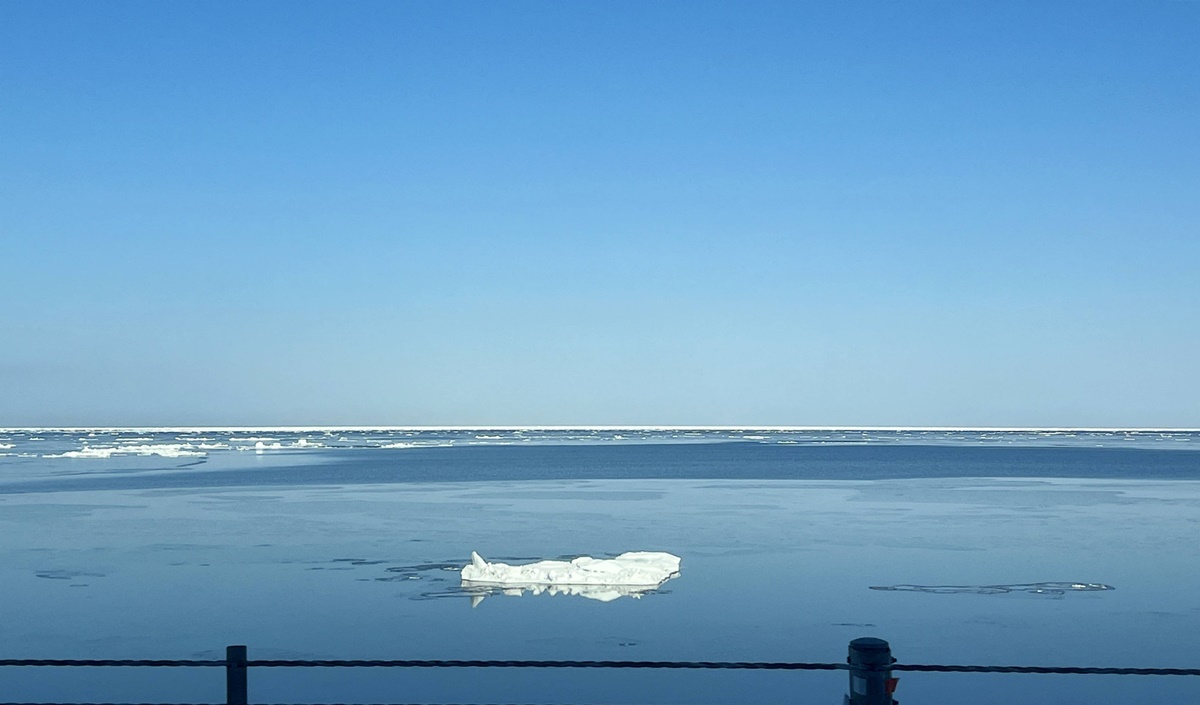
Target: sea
x=1046 y=547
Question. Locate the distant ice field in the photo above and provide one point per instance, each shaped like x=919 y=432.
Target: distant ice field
x=107 y=443
x=985 y=550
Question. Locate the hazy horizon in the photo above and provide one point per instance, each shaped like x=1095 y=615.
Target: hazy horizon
x=597 y=427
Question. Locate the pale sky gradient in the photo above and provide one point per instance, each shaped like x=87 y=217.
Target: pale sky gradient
x=282 y=213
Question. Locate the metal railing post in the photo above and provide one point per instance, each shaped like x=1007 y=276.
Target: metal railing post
x=871 y=681
x=235 y=675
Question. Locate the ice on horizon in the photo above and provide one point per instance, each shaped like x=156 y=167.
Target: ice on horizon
x=76 y=444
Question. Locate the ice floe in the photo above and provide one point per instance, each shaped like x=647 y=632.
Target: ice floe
x=422 y=444
x=166 y=450
x=605 y=579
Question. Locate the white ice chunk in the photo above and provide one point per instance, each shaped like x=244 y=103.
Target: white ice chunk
x=166 y=450
x=638 y=569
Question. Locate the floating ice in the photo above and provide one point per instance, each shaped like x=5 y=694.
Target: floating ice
x=166 y=450
x=423 y=444
x=604 y=579
x=1051 y=588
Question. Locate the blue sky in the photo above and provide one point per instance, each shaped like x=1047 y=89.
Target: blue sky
x=611 y=212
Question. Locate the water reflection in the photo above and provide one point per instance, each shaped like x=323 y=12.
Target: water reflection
x=600 y=593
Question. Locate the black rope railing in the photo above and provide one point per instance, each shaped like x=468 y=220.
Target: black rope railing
x=668 y=665
x=133 y=663
x=870 y=665
x=1054 y=670
x=52 y=703
x=719 y=665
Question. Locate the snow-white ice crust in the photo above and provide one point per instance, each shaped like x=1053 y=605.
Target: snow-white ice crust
x=165 y=450
x=637 y=569
x=73 y=444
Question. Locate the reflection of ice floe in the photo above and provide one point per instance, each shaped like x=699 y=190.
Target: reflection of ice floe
x=600 y=593
x=1056 y=589
x=628 y=575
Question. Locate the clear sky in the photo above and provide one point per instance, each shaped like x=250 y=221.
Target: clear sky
x=614 y=212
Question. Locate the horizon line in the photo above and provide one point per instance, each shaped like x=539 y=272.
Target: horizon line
x=554 y=427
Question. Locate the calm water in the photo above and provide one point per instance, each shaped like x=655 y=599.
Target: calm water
x=330 y=545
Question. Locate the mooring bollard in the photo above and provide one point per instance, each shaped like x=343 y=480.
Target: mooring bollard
x=871 y=681
x=235 y=675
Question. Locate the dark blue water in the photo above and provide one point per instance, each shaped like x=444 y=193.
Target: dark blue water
x=732 y=460
x=335 y=553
